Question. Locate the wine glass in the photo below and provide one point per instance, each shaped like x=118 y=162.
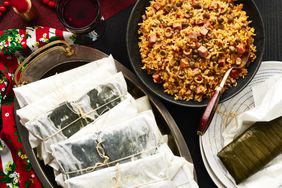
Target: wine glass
x=82 y=17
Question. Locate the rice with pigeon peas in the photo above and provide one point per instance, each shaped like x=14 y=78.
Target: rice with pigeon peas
x=188 y=45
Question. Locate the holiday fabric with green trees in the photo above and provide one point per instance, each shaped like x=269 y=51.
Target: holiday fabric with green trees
x=15 y=46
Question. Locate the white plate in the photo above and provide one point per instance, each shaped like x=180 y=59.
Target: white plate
x=208 y=168
x=212 y=142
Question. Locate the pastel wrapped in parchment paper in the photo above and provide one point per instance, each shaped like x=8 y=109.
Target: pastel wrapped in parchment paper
x=69 y=117
x=113 y=117
x=77 y=88
x=129 y=108
x=122 y=142
x=71 y=91
x=35 y=91
x=141 y=173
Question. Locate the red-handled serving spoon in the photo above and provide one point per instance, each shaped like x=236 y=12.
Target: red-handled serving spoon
x=213 y=103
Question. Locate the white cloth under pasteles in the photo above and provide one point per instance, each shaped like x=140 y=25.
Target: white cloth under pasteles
x=121 y=112
x=163 y=166
x=66 y=119
x=127 y=140
x=260 y=90
x=34 y=91
x=268 y=101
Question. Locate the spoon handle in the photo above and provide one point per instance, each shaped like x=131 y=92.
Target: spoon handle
x=209 y=112
x=212 y=105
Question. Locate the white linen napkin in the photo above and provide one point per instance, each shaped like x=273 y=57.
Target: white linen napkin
x=268 y=106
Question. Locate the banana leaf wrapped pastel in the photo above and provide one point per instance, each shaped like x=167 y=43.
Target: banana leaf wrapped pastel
x=253 y=149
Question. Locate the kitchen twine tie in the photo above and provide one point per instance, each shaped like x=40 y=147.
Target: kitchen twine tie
x=62 y=93
x=117 y=178
x=100 y=150
x=83 y=115
x=227 y=117
x=106 y=161
x=80 y=112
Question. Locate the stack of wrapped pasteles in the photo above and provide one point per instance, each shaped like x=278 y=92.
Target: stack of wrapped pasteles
x=93 y=133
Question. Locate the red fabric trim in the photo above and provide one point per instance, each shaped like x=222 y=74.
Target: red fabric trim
x=39 y=32
x=59 y=33
x=23 y=41
x=9 y=135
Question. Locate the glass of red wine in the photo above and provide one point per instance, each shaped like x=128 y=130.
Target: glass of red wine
x=82 y=17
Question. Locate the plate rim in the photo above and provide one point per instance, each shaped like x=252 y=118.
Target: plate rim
x=203 y=152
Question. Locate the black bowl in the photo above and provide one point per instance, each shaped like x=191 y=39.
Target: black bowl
x=132 y=39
